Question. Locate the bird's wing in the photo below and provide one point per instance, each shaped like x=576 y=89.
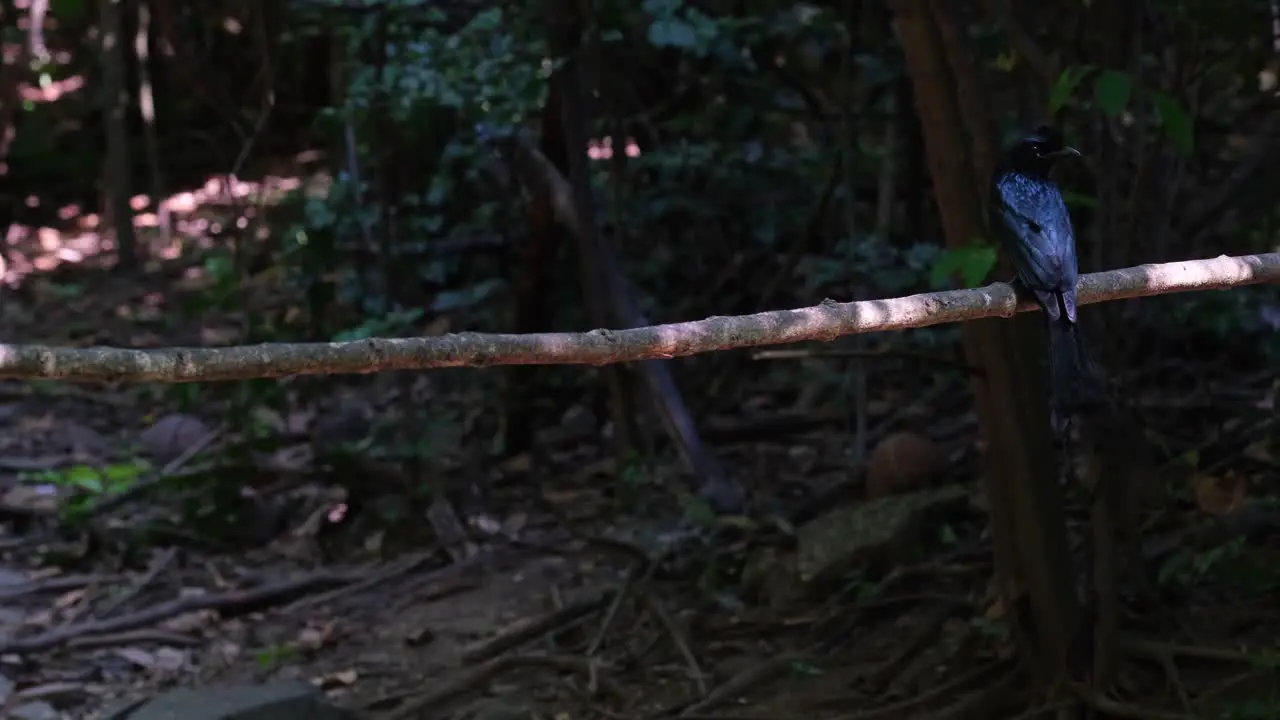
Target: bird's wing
x=1035 y=227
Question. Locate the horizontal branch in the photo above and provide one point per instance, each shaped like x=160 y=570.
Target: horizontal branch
x=825 y=321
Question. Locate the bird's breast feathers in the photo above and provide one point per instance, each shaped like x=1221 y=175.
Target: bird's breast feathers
x=1035 y=206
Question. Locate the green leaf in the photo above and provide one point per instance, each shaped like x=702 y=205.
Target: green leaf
x=83 y=476
x=1112 y=90
x=973 y=263
x=68 y=11
x=696 y=510
x=673 y=32
x=451 y=300
x=1075 y=199
x=661 y=8
x=1066 y=86
x=1177 y=123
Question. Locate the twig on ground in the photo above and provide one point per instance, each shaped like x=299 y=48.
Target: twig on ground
x=477 y=680
x=229 y=603
x=682 y=644
x=531 y=628
x=934 y=621
x=169 y=469
x=741 y=684
x=54 y=584
x=623 y=591
x=1116 y=709
x=158 y=564
x=133 y=637
x=988 y=702
x=904 y=707
x=1051 y=708
x=1158 y=650
x=403 y=566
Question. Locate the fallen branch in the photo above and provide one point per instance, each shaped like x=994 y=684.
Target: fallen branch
x=826 y=321
x=53 y=584
x=227 y=604
x=530 y=629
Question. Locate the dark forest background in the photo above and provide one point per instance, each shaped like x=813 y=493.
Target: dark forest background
x=236 y=172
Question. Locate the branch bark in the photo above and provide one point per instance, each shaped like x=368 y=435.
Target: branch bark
x=826 y=322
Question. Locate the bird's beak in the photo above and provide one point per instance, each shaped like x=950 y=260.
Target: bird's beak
x=1068 y=150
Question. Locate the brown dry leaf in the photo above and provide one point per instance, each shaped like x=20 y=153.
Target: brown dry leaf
x=135 y=656
x=313 y=638
x=485 y=524
x=219 y=336
x=39 y=618
x=562 y=498
x=35 y=498
x=146 y=338
x=604 y=466
x=515 y=523
x=190 y=622
x=227 y=651
x=293 y=458
x=269 y=418
x=1268 y=401
x=341 y=678
x=172 y=435
x=995 y=610
x=1259 y=451
x=67 y=599
x=439 y=326
x=1218 y=495
x=521 y=463
x=171 y=659
x=299 y=420
x=36 y=422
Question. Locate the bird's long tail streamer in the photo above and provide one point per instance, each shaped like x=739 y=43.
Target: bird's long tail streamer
x=1075 y=384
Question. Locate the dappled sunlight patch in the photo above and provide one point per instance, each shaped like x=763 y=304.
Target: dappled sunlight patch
x=195 y=216
x=602 y=148
x=51 y=90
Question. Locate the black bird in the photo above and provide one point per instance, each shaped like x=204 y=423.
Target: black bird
x=1030 y=218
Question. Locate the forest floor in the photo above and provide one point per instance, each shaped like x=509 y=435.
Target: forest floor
x=162 y=536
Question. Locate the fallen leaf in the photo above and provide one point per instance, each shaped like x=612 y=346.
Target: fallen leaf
x=170 y=659
x=1218 y=495
x=313 y=638
x=1259 y=451
x=190 y=622
x=172 y=435
x=68 y=599
x=343 y=678
x=137 y=656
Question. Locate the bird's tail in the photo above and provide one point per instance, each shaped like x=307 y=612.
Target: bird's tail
x=1075 y=384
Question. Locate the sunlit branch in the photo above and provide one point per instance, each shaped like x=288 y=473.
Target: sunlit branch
x=826 y=321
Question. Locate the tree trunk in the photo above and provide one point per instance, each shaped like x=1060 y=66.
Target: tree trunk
x=1034 y=578
x=117 y=182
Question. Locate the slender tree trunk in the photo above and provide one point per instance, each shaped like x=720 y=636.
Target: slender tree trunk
x=1028 y=525
x=117 y=181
